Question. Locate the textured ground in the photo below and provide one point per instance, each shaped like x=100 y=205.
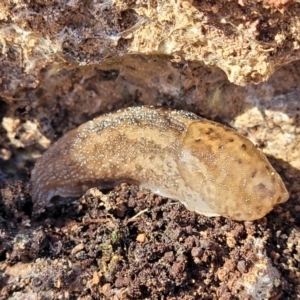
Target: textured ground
x=131 y=244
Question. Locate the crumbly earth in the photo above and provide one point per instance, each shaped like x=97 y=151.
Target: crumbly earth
x=132 y=244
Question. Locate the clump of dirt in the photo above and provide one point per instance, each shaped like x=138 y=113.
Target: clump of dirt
x=131 y=244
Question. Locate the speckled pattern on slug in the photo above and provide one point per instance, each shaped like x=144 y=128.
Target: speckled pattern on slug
x=205 y=165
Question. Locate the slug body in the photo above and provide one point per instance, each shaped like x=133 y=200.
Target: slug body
x=208 y=167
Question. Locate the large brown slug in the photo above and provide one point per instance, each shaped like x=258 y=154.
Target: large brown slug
x=208 y=167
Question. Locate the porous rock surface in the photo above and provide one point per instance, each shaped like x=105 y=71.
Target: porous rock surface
x=248 y=39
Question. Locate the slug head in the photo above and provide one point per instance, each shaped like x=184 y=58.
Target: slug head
x=229 y=172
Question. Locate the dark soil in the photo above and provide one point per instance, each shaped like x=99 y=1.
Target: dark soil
x=132 y=244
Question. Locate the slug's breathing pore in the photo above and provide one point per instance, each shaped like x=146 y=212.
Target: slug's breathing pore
x=208 y=167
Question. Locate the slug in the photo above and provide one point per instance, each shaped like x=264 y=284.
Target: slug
x=207 y=166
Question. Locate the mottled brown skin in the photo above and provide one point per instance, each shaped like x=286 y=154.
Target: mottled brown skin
x=209 y=167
